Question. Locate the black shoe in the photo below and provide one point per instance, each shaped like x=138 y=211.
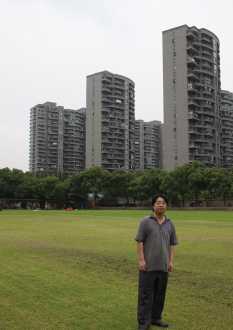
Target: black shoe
x=160 y=324
x=143 y=327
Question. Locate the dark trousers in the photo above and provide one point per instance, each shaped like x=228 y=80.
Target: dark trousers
x=151 y=296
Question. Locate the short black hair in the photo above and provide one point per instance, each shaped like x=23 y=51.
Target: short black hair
x=154 y=199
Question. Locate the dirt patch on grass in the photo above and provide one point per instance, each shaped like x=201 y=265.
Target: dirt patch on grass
x=76 y=257
x=210 y=289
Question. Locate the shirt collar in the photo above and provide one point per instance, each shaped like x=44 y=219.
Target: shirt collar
x=154 y=218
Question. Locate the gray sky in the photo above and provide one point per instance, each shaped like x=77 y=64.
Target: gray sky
x=49 y=46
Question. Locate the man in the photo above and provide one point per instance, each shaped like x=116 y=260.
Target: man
x=156 y=240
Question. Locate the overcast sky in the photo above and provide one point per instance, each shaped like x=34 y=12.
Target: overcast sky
x=48 y=47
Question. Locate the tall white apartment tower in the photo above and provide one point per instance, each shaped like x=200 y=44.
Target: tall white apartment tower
x=191 y=86
x=110 y=121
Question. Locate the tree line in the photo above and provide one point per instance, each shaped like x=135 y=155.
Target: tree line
x=193 y=182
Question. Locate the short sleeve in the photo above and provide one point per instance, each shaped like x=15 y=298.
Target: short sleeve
x=173 y=237
x=141 y=234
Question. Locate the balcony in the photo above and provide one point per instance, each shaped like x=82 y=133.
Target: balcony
x=192 y=145
x=193 y=131
x=207 y=113
x=191 y=60
x=105 y=119
x=206 y=38
x=201 y=70
x=199 y=126
x=191 y=49
x=118 y=86
x=107 y=89
x=207 y=72
x=192 y=87
x=208 y=107
x=193 y=102
x=207 y=64
x=209 y=148
x=208 y=132
x=193 y=116
x=208 y=47
x=193 y=76
x=197 y=44
x=204 y=99
x=206 y=54
x=208 y=94
x=107 y=79
x=207 y=42
x=205 y=57
x=208 y=121
x=106 y=99
x=192 y=34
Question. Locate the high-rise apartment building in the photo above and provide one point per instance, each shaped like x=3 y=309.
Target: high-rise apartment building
x=74 y=140
x=191 y=79
x=57 y=139
x=139 y=144
x=226 y=129
x=147 y=144
x=110 y=121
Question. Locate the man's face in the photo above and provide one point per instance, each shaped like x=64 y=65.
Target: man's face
x=160 y=205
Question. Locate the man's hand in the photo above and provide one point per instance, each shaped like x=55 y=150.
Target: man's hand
x=141 y=258
x=170 y=266
x=142 y=265
x=171 y=258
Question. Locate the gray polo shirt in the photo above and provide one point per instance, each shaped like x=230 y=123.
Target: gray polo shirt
x=157 y=240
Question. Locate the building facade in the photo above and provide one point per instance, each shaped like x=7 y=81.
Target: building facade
x=139 y=145
x=147 y=144
x=57 y=139
x=110 y=121
x=226 y=129
x=74 y=136
x=191 y=84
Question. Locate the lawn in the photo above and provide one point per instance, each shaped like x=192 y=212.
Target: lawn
x=78 y=270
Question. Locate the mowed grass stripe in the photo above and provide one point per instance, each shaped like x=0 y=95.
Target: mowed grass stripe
x=77 y=270
x=127 y=213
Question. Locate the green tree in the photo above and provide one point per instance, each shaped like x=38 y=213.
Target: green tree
x=61 y=192
x=117 y=185
x=218 y=183
x=147 y=184
x=91 y=181
x=45 y=189
x=10 y=180
x=175 y=185
x=196 y=180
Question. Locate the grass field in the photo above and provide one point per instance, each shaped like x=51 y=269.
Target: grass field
x=78 y=270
